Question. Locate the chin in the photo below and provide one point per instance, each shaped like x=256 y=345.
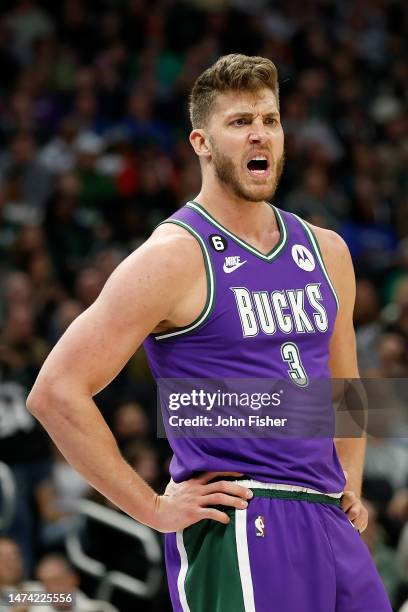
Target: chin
x=259 y=195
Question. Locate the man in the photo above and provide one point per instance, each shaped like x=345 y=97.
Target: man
x=57 y=578
x=11 y=575
x=216 y=289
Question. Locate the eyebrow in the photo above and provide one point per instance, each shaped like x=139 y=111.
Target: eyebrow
x=249 y=114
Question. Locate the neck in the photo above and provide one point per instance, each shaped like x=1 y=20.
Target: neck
x=245 y=218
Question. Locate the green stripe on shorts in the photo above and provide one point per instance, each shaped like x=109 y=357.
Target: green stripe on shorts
x=212 y=580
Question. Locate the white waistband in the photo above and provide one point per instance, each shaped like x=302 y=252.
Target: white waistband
x=256 y=484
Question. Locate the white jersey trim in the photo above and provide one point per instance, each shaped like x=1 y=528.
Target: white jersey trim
x=183 y=571
x=276 y=486
x=280 y=245
x=316 y=249
x=210 y=286
x=241 y=540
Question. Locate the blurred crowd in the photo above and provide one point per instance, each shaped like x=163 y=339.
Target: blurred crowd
x=94 y=153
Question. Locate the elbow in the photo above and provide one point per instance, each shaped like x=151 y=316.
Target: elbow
x=38 y=399
x=53 y=395
x=42 y=397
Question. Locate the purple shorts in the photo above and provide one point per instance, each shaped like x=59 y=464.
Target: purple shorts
x=287 y=552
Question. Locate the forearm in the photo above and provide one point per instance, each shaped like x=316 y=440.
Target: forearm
x=351 y=453
x=80 y=432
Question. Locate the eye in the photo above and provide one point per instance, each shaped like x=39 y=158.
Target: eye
x=271 y=121
x=240 y=121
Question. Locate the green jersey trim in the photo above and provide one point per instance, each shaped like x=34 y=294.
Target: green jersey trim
x=316 y=248
x=314 y=498
x=271 y=256
x=210 y=276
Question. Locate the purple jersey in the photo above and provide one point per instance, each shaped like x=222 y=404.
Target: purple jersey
x=267 y=316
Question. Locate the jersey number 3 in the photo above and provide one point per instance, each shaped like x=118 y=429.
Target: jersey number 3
x=296 y=371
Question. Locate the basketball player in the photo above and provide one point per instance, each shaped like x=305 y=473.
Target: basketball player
x=229 y=286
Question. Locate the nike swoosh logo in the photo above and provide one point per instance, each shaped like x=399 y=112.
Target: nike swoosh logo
x=233 y=268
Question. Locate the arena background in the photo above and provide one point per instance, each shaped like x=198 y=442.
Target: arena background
x=94 y=152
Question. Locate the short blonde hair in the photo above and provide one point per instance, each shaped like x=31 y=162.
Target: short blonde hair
x=234 y=72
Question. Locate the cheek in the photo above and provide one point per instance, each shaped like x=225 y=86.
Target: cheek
x=278 y=141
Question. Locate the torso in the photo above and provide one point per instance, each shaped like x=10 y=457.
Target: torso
x=252 y=314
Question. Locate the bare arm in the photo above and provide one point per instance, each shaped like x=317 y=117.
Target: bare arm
x=343 y=361
x=151 y=289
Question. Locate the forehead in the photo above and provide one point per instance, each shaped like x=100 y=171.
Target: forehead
x=8 y=547
x=231 y=102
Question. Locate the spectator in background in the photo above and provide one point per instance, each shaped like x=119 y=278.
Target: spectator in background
x=17 y=290
x=107 y=260
x=58 y=155
x=88 y=286
x=130 y=423
x=11 y=565
x=141 y=455
x=11 y=574
x=56 y=575
x=29 y=243
x=22 y=159
x=317 y=201
x=27 y=22
x=140 y=123
x=368 y=327
x=24 y=445
x=58 y=498
x=69 y=236
x=97 y=190
x=384 y=556
x=65 y=313
x=392 y=354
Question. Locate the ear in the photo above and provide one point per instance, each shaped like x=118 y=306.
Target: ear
x=200 y=143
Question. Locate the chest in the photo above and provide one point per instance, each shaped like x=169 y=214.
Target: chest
x=255 y=299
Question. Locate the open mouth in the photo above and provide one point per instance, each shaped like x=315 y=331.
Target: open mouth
x=258 y=166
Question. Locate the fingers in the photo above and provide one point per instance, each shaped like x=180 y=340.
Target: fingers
x=223 y=486
x=354 y=512
x=207 y=476
x=221 y=499
x=214 y=515
x=360 y=523
x=349 y=498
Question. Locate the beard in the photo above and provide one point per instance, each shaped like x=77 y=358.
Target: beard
x=227 y=173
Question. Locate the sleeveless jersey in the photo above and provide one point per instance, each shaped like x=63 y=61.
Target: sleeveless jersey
x=266 y=316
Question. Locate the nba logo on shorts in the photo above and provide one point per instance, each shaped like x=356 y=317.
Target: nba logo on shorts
x=303 y=257
x=260 y=526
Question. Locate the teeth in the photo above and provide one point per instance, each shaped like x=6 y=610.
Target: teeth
x=259 y=158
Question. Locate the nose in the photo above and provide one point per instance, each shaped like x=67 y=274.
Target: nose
x=258 y=133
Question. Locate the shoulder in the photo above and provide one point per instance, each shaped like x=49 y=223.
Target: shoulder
x=169 y=247
x=167 y=263
x=337 y=260
x=173 y=236
x=335 y=252
x=329 y=241
x=174 y=247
